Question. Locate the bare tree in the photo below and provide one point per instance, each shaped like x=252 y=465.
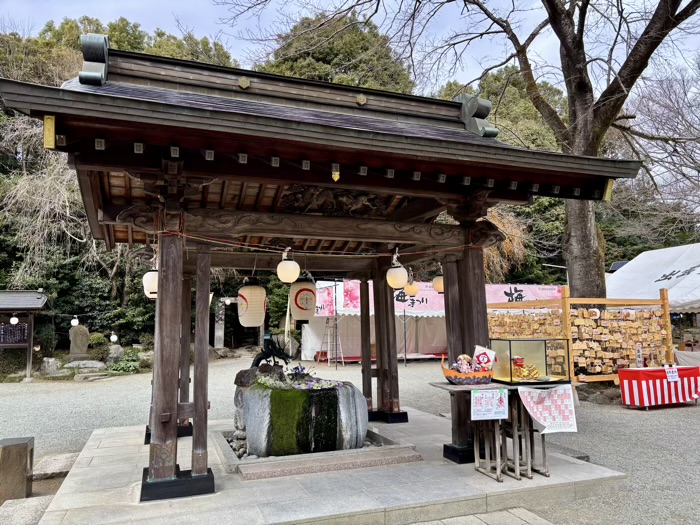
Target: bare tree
x=604 y=47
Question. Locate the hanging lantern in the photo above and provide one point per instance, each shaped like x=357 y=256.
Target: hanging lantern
x=14 y=319
x=303 y=300
x=396 y=276
x=227 y=301
x=113 y=338
x=411 y=289
x=150 y=284
x=251 y=305
x=438 y=282
x=287 y=270
x=74 y=321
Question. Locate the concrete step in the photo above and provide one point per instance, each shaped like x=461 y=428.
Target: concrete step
x=54 y=466
x=261 y=469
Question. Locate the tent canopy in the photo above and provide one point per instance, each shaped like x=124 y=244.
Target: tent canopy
x=677 y=269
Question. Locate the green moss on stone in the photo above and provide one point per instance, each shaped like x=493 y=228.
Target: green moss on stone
x=324 y=420
x=288 y=418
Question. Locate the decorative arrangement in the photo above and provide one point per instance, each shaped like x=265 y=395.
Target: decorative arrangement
x=468 y=371
x=523 y=371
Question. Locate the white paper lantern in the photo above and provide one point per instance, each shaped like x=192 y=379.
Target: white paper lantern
x=303 y=300
x=74 y=322
x=227 y=301
x=287 y=270
x=251 y=305
x=411 y=289
x=150 y=284
x=113 y=338
x=14 y=319
x=397 y=277
x=439 y=284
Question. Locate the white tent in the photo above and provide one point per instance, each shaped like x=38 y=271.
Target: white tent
x=677 y=269
x=425 y=328
x=423 y=316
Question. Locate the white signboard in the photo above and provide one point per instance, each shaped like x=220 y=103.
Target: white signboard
x=672 y=375
x=489 y=404
x=551 y=409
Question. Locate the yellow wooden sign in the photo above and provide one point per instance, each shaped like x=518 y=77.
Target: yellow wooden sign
x=607 y=194
x=49 y=131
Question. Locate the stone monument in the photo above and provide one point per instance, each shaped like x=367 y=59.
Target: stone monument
x=79 y=341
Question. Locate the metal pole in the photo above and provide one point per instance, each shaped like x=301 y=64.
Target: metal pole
x=404 y=338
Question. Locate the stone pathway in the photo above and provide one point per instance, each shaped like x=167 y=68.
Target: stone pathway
x=517 y=516
x=104 y=484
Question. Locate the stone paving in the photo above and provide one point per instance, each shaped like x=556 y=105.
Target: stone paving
x=103 y=486
x=517 y=516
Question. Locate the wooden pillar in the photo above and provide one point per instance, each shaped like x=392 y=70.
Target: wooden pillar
x=185 y=338
x=30 y=344
x=201 y=364
x=453 y=309
x=365 y=342
x=472 y=289
x=166 y=361
x=663 y=294
x=379 y=337
x=392 y=368
x=467 y=325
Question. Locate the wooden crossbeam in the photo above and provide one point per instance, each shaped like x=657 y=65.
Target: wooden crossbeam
x=234 y=224
x=268 y=261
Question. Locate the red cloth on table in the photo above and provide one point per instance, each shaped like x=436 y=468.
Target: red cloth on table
x=645 y=387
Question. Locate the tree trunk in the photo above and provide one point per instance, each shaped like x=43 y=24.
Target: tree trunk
x=584 y=250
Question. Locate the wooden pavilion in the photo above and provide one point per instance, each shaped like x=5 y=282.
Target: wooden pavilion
x=17 y=311
x=223 y=167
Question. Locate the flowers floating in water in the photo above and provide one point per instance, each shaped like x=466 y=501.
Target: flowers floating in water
x=297 y=378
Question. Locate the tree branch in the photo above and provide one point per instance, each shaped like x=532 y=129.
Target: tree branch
x=662 y=22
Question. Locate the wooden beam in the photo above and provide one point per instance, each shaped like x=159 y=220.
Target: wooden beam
x=257 y=171
x=163 y=450
x=473 y=297
x=365 y=343
x=379 y=336
x=234 y=224
x=30 y=344
x=185 y=335
x=453 y=310
x=392 y=370
x=418 y=210
x=201 y=364
x=268 y=261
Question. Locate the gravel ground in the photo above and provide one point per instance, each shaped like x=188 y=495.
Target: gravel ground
x=658 y=449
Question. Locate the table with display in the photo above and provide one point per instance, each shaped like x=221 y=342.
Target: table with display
x=648 y=387
x=468 y=436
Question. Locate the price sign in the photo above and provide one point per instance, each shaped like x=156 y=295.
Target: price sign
x=672 y=375
x=489 y=404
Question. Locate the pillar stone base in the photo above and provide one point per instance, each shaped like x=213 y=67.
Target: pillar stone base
x=388 y=417
x=183 y=485
x=459 y=455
